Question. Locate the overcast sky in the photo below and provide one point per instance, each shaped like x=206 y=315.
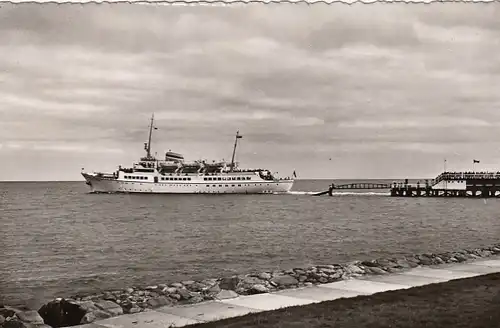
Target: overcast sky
x=360 y=91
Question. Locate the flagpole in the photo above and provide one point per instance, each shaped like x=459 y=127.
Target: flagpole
x=445 y=181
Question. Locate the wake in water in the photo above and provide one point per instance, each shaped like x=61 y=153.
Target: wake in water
x=342 y=193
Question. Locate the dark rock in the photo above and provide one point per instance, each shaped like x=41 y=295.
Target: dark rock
x=196 y=298
x=159 y=301
x=184 y=293
x=30 y=317
x=369 y=263
x=134 y=309
x=259 y=289
x=170 y=290
x=248 y=282
x=176 y=297
x=351 y=268
x=214 y=289
x=229 y=283
x=7 y=312
x=94 y=315
x=61 y=313
x=109 y=296
x=386 y=263
x=284 y=281
x=425 y=260
x=16 y=323
x=195 y=286
x=110 y=307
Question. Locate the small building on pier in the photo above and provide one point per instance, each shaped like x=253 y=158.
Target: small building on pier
x=452 y=184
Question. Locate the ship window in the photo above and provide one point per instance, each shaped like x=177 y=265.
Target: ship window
x=215 y=186
x=184 y=179
x=220 y=185
x=239 y=185
x=219 y=178
x=226 y=185
x=238 y=178
x=248 y=178
x=205 y=179
x=189 y=179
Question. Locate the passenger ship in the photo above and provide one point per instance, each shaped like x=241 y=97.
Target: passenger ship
x=174 y=175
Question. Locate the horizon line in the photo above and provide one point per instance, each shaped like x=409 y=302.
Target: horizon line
x=295 y=179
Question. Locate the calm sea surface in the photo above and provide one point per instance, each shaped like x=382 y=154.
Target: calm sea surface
x=56 y=239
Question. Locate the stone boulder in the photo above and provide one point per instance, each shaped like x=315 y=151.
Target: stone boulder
x=20 y=318
x=226 y=294
x=65 y=313
x=229 y=283
x=285 y=281
x=258 y=289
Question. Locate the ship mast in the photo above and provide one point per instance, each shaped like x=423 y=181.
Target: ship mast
x=234 y=149
x=148 y=146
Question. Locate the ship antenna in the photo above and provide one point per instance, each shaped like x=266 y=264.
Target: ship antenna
x=234 y=149
x=150 y=133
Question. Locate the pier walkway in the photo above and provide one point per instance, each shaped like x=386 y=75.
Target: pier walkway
x=215 y=310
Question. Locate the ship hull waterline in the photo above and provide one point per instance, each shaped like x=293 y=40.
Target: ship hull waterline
x=110 y=185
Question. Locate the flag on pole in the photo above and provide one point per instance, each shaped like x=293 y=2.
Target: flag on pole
x=294 y=174
x=475 y=161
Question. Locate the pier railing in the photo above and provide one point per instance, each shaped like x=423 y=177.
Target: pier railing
x=466 y=176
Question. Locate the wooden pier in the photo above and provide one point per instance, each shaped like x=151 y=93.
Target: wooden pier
x=354 y=186
x=447 y=184
x=362 y=185
x=456 y=184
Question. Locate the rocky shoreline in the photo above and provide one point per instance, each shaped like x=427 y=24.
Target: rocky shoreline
x=86 y=309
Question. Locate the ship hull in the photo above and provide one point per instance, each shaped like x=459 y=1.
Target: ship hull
x=111 y=185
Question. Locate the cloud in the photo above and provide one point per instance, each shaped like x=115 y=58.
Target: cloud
x=43 y=146
x=419 y=122
x=300 y=82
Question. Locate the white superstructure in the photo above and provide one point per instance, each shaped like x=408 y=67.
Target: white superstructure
x=174 y=175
